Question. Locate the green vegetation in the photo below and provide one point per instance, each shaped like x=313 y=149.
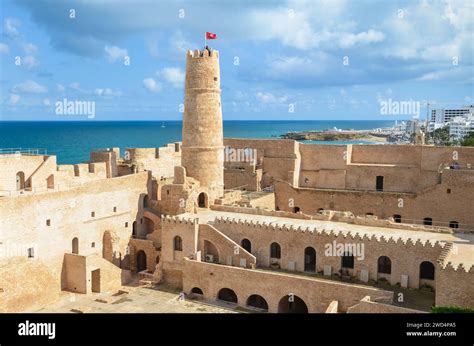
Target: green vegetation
x=450 y=309
x=441 y=137
x=468 y=141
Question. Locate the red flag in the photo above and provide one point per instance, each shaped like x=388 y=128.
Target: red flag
x=210 y=36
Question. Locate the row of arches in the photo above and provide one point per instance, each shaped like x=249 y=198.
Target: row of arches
x=384 y=263
x=287 y=304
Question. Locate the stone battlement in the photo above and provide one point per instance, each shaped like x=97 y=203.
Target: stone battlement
x=202 y=54
x=355 y=236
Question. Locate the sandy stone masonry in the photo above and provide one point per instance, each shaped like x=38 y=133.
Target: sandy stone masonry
x=254 y=233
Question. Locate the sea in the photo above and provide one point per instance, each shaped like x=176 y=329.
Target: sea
x=72 y=141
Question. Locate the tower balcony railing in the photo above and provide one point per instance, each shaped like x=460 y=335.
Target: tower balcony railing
x=23 y=151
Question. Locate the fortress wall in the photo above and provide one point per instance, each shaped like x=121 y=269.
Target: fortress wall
x=324 y=179
x=454 y=287
x=110 y=158
x=224 y=249
x=281 y=148
x=293 y=243
x=433 y=157
x=435 y=203
x=397 y=179
x=368 y=307
x=24 y=217
x=386 y=154
x=24 y=226
x=279 y=157
x=160 y=161
x=323 y=157
x=316 y=293
x=11 y=164
x=28 y=284
x=173 y=259
x=248 y=178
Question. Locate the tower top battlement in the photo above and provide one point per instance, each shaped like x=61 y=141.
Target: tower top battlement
x=205 y=53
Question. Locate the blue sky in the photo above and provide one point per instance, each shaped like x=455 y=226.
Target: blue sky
x=301 y=60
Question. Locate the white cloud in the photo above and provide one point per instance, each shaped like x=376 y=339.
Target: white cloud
x=29 y=62
x=60 y=87
x=30 y=48
x=4 y=49
x=173 y=75
x=267 y=97
x=14 y=98
x=114 y=53
x=46 y=102
x=107 y=92
x=151 y=85
x=366 y=37
x=29 y=87
x=10 y=27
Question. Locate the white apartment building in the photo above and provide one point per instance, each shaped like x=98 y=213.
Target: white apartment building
x=461 y=126
x=441 y=117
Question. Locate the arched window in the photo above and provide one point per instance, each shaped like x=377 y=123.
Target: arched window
x=257 y=301
x=275 y=250
x=453 y=224
x=384 y=265
x=75 y=246
x=347 y=260
x=427 y=270
x=246 y=244
x=178 y=243
x=134 y=229
x=228 y=295
x=397 y=218
x=428 y=221
x=197 y=290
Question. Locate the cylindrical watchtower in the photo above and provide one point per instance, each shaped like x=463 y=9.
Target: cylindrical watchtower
x=203 y=146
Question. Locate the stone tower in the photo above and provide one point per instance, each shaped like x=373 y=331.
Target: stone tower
x=203 y=143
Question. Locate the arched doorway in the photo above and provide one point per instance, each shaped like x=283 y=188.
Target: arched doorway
x=202 y=200
x=197 y=290
x=210 y=252
x=257 y=301
x=427 y=270
x=141 y=261
x=291 y=304
x=20 y=181
x=309 y=259
x=227 y=295
x=247 y=245
x=384 y=265
x=75 y=246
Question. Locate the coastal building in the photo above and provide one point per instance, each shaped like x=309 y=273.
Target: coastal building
x=266 y=224
x=461 y=126
x=441 y=117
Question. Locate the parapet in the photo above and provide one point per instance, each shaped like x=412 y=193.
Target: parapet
x=203 y=53
x=342 y=235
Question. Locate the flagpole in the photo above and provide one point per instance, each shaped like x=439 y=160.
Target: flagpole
x=205 y=39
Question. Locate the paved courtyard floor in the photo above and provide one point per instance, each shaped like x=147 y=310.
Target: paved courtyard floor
x=138 y=299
